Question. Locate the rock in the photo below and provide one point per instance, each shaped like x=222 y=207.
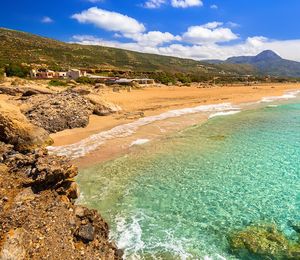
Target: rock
x=99 y=85
x=12 y=247
x=81 y=90
x=13 y=91
x=79 y=212
x=61 y=111
x=102 y=107
x=25 y=196
x=38 y=221
x=86 y=233
x=27 y=92
x=263 y=242
x=16 y=130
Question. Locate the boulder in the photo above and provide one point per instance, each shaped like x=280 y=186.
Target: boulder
x=86 y=233
x=81 y=90
x=60 y=111
x=12 y=91
x=16 y=130
x=102 y=107
x=22 y=90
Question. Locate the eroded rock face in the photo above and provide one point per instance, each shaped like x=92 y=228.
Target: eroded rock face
x=16 y=130
x=61 y=111
x=38 y=217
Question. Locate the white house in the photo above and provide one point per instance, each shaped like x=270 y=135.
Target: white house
x=75 y=74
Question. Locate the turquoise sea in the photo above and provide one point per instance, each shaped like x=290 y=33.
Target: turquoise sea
x=180 y=197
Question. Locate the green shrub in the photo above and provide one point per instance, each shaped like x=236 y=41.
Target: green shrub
x=56 y=83
x=16 y=70
x=85 y=80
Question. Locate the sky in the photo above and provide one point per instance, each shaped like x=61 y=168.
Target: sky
x=197 y=29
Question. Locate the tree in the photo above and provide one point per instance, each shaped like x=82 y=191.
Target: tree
x=16 y=70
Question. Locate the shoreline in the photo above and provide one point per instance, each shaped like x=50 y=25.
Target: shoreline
x=112 y=146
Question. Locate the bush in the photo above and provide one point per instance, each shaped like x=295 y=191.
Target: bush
x=56 y=83
x=16 y=70
x=85 y=80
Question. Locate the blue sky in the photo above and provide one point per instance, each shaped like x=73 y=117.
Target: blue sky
x=185 y=28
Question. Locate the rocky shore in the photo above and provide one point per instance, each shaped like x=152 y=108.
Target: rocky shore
x=38 y=217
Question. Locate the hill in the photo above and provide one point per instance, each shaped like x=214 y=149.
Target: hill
x=266 y=63
x=21 y=47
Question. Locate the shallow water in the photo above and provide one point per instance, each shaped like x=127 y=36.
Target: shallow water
x=182 y=196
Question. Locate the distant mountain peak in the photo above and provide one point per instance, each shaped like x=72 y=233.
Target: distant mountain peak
x=267 y=55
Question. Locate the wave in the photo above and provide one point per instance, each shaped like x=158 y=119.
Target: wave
x=128 y=236
x=286 y=96
x=91 y=143
x=139 y=142
x=224 y=113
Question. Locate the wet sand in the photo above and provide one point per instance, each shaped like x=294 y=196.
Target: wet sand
x=156 y=100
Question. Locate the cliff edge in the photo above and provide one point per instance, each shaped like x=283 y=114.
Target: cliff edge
x=38 y=217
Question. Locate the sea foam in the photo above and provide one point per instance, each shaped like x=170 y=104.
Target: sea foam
x=92 y=142
x=224 y=113
x=139 y=142
x=286 y=96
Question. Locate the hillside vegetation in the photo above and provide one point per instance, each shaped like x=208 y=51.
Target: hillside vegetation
x=20 y=47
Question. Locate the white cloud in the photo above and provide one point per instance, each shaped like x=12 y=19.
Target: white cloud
x=155 y=38
x=209 y=33
x=212 y=25
x=251 y=46
x=95 y=1
x=110 y=21
x=175 y=3
x=232 y=25
x=154 y=3
x=47 y=19
x=186 y=3
x=124 y=26
x=198 y=42
x=214 y=7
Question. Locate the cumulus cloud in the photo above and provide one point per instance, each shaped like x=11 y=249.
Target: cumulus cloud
x=47 y=19
x=186 y=3
x=154 y=3
x=214 y=7
x=174 y=3
x=251 y=46
x=198 y=42
x=95 y=1
x=209 y=33
x=110 y=21
x=155 y=38
x=124 y=26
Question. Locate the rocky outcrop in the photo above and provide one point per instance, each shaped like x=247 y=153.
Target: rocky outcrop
x=263 y=242
x=24 y=91
x=65 y=110
x=60 y=111
x=102 y=107
x=37 y=213
x=16 y=130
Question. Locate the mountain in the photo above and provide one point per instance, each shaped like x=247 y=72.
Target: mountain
x=266 y=63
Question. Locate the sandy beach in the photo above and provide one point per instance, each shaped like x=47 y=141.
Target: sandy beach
x=156 y=100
